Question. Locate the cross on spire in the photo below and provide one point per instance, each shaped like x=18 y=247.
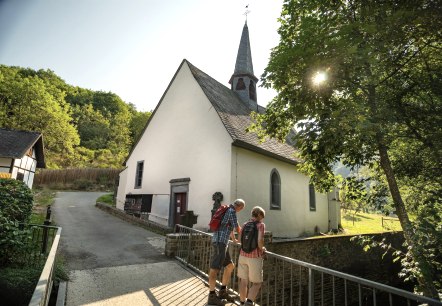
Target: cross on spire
x=247 y=11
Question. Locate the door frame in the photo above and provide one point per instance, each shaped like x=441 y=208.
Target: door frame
x=180 y=185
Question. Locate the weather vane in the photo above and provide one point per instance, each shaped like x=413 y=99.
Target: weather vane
x=247 y=11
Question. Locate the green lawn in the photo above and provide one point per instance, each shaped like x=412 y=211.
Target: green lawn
x=363 y=223
x=107 y=199
x=42 y=198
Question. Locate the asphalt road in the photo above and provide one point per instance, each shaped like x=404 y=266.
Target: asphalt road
x=92 y=239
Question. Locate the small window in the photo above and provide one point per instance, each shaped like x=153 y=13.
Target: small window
x=252 y=91
x=240 y=85
x=139 y=174
x=312 y=197
x=275 y=190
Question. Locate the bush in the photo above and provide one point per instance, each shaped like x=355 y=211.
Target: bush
x=16 y=200
x=15 y=206
x=17 y=284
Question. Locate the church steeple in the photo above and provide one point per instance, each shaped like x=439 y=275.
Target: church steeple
x=243 y=80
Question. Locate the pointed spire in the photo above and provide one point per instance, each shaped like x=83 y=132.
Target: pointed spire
x=244 y=63
x=243 y=80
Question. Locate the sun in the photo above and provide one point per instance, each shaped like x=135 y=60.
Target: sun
x=319 y=78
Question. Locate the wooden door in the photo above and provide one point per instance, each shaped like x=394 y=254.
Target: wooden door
x=180 y=205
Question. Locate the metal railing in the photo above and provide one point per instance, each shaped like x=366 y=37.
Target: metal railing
x=39 y=238
x=288 y=281
x=42 y=292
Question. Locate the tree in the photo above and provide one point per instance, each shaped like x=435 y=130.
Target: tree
x=361 y=81
x=30 y=103
x=137 y=124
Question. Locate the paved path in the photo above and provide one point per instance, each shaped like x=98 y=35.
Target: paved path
x=113 y=262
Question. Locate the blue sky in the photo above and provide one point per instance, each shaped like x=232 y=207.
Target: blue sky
x=133 y=47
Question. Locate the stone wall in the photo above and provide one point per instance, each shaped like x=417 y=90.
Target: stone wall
x=149 y=225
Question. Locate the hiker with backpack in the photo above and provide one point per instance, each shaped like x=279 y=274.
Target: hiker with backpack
x=221 y=257
x=250 y=262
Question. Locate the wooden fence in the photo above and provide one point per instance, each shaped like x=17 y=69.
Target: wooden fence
x=79 y=178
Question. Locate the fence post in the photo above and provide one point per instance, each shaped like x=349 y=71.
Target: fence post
x=311 y=288
x=189 y=248
x=45 y=230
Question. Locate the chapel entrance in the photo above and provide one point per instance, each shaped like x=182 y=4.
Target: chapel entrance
x=180 y=205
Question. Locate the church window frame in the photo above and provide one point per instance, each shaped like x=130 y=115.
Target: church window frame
x=312 y=197
x=139 y=174
x=275 y=190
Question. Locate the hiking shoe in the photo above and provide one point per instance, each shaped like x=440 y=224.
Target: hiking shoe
x=224 y=295
x=214 y=300
x=247 y=303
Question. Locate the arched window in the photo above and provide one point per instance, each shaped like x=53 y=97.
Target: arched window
x=312 y=197
x=275 y=190
x=252 y=91
x=240 y=85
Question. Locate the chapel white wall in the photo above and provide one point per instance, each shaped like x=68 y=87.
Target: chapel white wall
x=185 y=138
x=251 y=181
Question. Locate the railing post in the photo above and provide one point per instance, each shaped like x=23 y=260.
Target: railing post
x=189 y=248
x=44 y=245
x=311 y=288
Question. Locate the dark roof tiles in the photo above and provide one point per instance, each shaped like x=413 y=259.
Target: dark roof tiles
x=235 y=115
x=15 y=144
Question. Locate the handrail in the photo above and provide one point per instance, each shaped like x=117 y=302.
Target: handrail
x=44 y=285
x=204 y=251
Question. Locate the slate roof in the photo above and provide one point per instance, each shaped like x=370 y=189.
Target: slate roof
x=15 y=144
x=235 y=115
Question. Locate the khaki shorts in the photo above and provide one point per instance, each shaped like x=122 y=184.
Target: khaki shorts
x=250 y=269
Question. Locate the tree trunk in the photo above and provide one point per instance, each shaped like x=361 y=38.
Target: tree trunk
x=426 y=278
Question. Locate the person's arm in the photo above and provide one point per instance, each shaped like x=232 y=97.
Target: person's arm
x=261 y=238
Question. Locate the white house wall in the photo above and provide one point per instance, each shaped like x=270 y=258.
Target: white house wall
x=121 y=191
x=185 y=138
x=251 y=181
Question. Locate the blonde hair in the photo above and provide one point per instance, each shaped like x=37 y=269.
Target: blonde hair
x=239 y=203
x=258 y=210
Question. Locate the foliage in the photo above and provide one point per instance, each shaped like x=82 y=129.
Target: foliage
x=380 y=106
x=15 y=200
x=80 y=127
x=15 y=207
x=42 y=199
x=17 y=283
x=107 y=198
x=139 y=120
x=30 y=103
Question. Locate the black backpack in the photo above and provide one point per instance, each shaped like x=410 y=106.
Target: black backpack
x=249 y=236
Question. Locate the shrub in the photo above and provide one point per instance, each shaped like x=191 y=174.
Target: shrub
x=16 y=200
x=15 y=206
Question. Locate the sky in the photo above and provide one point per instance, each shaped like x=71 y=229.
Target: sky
x=134 y=47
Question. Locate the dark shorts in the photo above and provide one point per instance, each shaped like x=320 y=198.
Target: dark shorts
x=221 y=257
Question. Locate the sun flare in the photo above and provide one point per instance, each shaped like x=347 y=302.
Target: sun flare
x=319 y=78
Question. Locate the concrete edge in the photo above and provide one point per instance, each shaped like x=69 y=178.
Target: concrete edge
x=146 y=224
x=61 y=295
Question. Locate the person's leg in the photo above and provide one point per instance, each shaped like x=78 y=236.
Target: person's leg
x=212 y=279
x=253 y=291
x=243 y=289
x=243 y=275
x=227 y=274
x=215 y=265
x=256 y=277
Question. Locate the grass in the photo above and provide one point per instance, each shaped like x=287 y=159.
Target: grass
x=42 y=198
x=363 y=223
x=107 y=199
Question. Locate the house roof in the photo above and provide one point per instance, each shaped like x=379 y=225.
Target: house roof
x=15 y=144
x=235 y=115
